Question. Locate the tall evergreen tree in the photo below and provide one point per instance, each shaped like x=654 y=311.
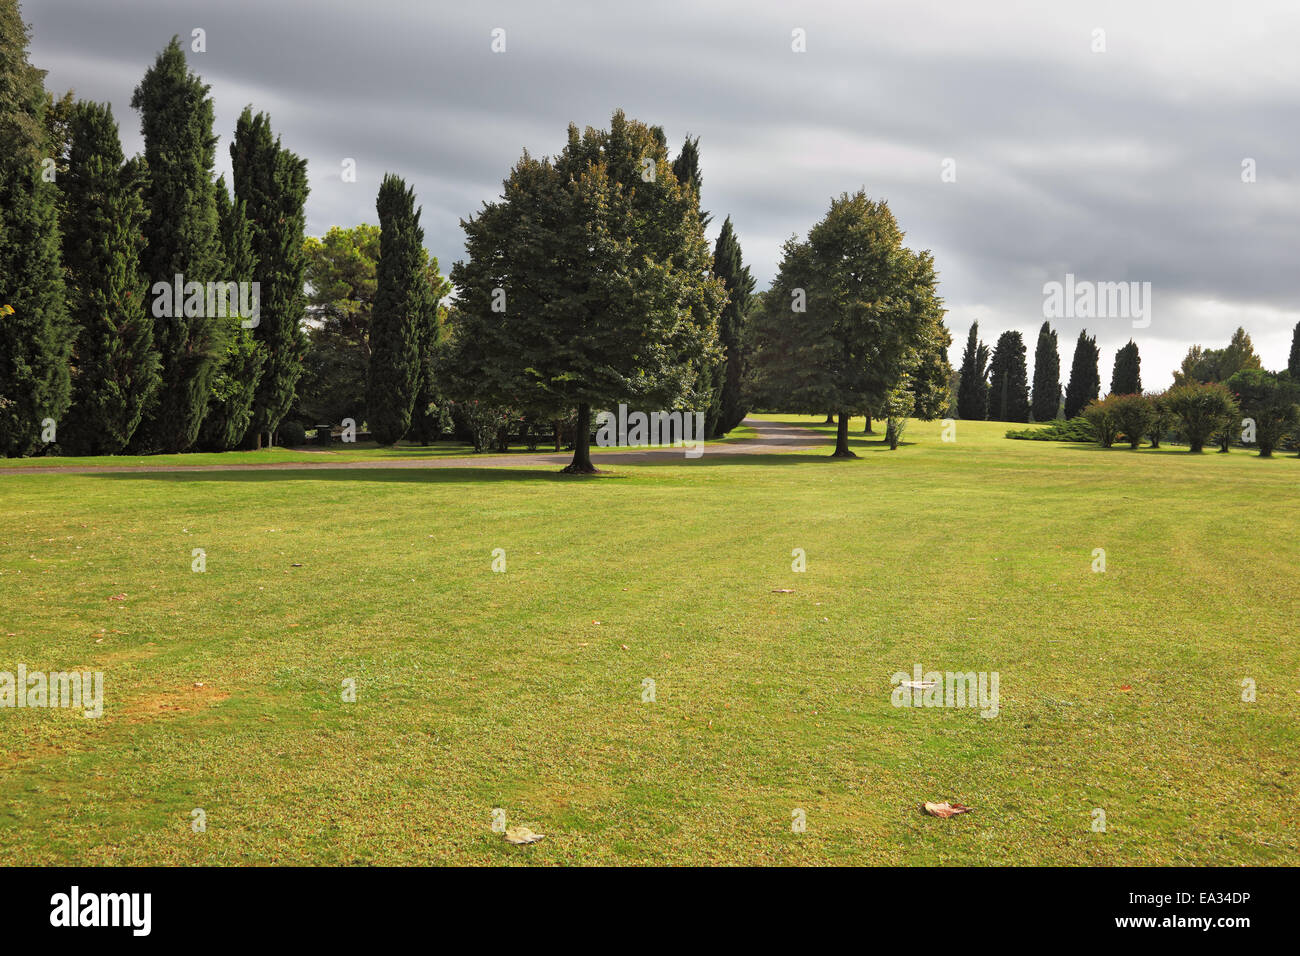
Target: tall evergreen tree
x=425 y=414
x=400 y=313
x=1009 y=380
x=182 y=239
x=729 y=266
x=272 y=184
x=973 y=386
x=1293 y=362
x=1047 y=375
x=1085 y=379
x=234 y=386
x=686 y=170
x=115 y=367
x=1126 y=378
x=35 y=330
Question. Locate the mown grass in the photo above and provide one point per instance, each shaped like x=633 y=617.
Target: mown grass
x=523 y=690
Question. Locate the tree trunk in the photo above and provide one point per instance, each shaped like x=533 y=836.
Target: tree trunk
x=842 y=449
x=867 y=430
x=557 y=435
x=581 y=464
x=830 y=419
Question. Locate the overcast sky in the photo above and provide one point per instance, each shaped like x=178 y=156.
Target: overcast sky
x=1123 y=165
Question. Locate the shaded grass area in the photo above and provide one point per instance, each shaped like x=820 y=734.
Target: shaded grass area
x=338 y=452
x=523 y=690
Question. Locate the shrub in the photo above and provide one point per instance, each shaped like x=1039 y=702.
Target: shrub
x=1075 y=430
x=291 y=434
x=1202 y=410
x=1268 y=400
x=1103 y=416
x=1162 y=419
x=1133 y=414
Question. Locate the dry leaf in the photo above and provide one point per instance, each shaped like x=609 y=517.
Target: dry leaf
x=783 y=590
x=945 y=809
x=1125 y=686
x=117 y=597
x=521 y=835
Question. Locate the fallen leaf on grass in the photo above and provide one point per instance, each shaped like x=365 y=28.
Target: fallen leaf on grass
x=1125 y=686
x=117 y=597
x=945 y=809
x=519 y=835
x=783 y=590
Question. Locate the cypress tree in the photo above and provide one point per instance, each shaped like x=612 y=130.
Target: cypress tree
x=1047 y=375
x=401 y=308
x=182 y=236
x=1085 y=379
x=728 y=265
x=272 y=183
x=115 y=367
x=1293 y=363
x=1126 y=378
x=234 y=386
x=1009 y=380
x=972 y=386
x=35 y=331
x=425 y=415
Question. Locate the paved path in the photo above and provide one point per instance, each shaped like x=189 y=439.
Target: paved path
x=772 y=438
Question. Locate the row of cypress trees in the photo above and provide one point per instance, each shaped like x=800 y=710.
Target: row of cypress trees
x=85 y=235
x=995 y=385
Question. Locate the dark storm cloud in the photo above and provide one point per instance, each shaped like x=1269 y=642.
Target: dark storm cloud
x=1115 y=166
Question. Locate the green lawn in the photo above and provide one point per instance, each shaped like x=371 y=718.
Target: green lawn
x=523 y=690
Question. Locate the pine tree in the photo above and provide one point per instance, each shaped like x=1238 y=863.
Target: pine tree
x=1126 y=378
x=182 y=239
x=272 y=184
x=35 y=330
x=234 y=386
x=1047 y=375
x=1085 y=380
x=1009 y=380
x=401 y=310
x=116 y=370
x=686 y=170
x=728 y=265
x=973 y=387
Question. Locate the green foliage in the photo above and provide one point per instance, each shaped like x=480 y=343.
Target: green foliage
x=973 y=384
x=271 y=182
x=1101 y=414
x=182 y=238
x=729 y=266
x=931 y=381
x=1293 y=361
x=1162 y=420
x=291 y=434
x=1126 y=377
x=1133 y=414
x=1009 y=380
x=868 y=302
x=401 y=308
x=36 y=336
x=1046 y=402
x=1270 y=400
x=1217 y=365
x=1085 y=380
x=1203 y=409
x=1058 y=429
x=586 y=285
x=115 y=370
x=234 y=384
